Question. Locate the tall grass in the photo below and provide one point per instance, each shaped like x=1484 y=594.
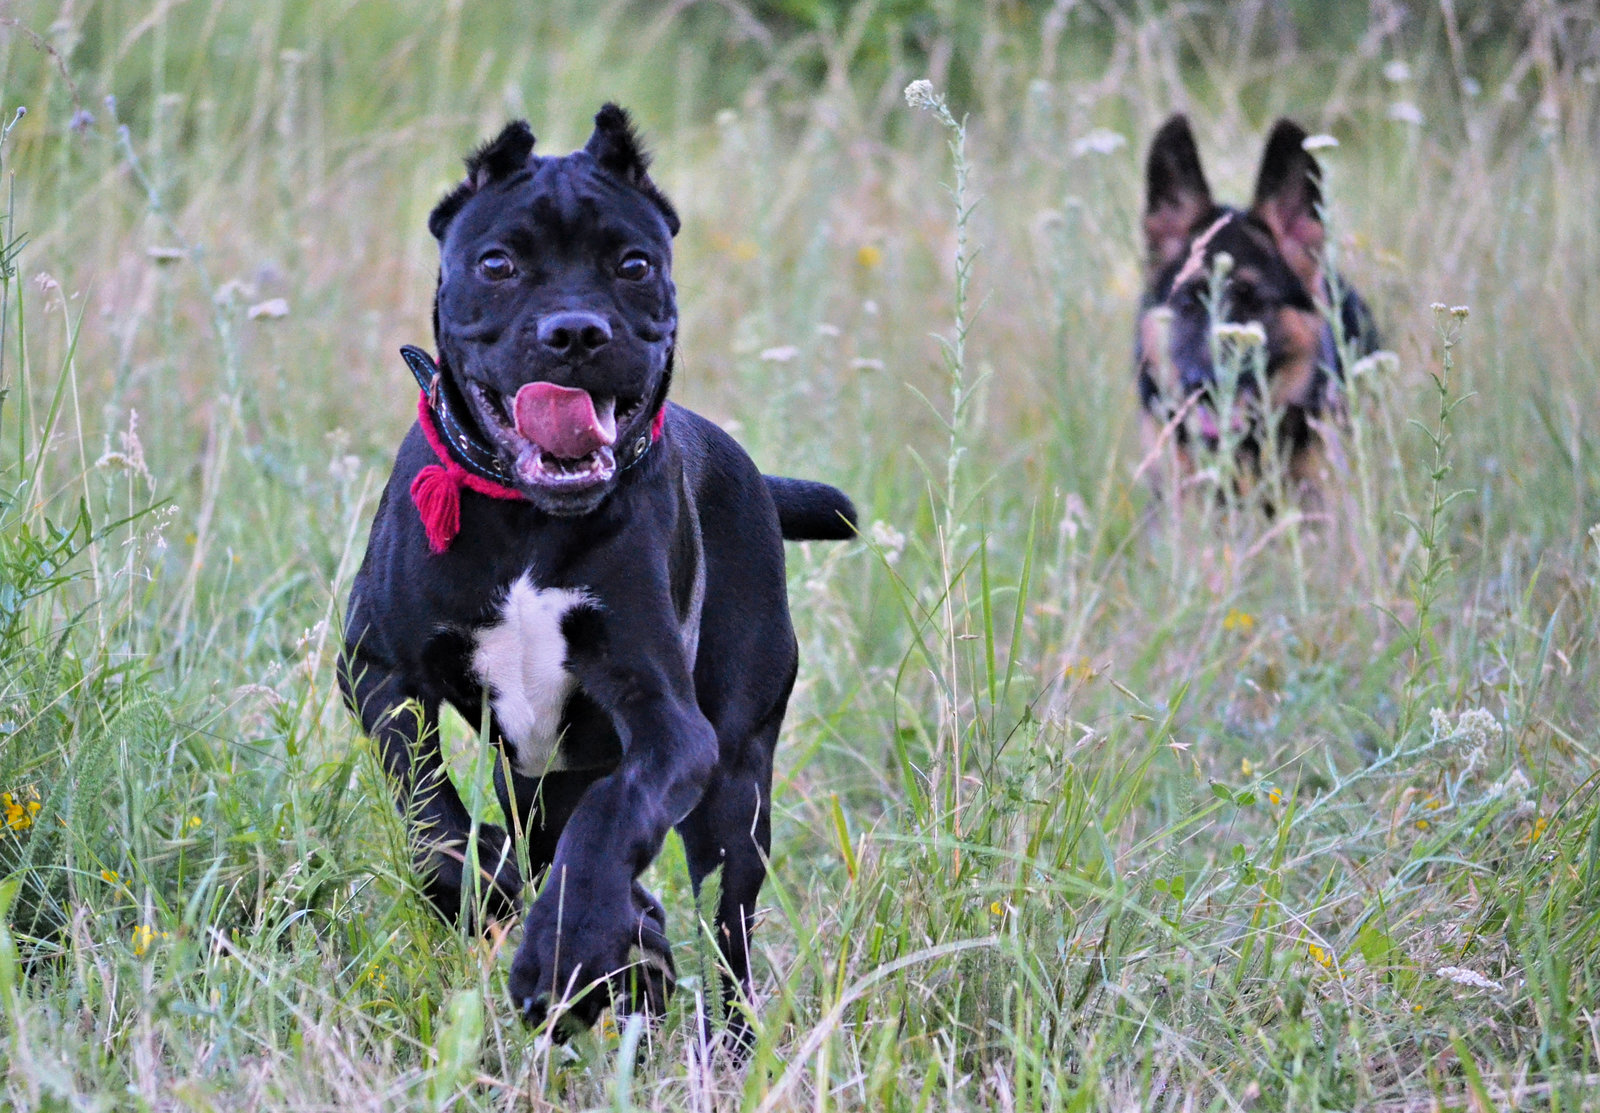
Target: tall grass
x=1086 y=801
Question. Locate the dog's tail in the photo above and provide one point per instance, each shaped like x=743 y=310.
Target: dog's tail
x=810 y=511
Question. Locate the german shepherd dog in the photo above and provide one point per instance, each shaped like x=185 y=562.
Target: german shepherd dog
x=1242 y=333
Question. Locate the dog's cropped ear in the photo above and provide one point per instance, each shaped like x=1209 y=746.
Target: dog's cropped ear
x=616 y=147
x=1289 y=199
x=1176 y=193
x=501 y=157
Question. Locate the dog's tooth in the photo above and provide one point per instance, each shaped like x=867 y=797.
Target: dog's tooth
x=605 y=413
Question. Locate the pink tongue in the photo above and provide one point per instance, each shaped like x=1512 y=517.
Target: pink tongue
x=560 y=420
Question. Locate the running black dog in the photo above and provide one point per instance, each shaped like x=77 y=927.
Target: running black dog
x=600 y=569
x=1272 y=278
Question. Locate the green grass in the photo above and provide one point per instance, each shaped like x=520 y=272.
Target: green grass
x=1085 y=800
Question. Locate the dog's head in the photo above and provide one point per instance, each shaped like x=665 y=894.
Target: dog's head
x=1270 y=277
x=555 y=314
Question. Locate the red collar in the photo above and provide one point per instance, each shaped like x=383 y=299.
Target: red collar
x=436 y=490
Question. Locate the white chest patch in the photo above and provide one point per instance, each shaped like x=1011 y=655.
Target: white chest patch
x=521 y=660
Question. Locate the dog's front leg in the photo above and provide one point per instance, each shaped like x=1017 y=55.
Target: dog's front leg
x=406 y=729
x=592 y=913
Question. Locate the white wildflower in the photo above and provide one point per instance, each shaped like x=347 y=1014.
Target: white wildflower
x=342 y=469
x=920 y=94
x=272 y=309
x=1404 y=112
x=1515 y=784
x=781 y=354
x=864 y=363
x=890 y=541
x=1100 y=141
x=1397 y=72
x=1322 y=141
x=1477 y=727
x=1462 y=976
x=1472 y=729
x=1242 y=334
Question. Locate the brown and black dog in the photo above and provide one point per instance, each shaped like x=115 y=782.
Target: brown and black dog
x=1240 y=325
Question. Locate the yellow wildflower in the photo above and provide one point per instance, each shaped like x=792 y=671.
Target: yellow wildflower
x=1275 y=796
x=110 y=877
x=20 y=808
x=144 y=936
x=1242 y=621
x=1082 y=669
x=1246 y=767
x=1320 y=956
x=869 y=257
x=194 y=821
x=996 y=908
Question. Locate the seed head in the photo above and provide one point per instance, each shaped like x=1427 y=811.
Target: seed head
x=920 y=94
x=1462 y=976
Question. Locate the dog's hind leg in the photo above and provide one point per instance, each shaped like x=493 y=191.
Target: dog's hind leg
x=732 y=828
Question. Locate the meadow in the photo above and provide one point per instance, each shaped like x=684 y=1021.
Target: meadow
x=1086 y=800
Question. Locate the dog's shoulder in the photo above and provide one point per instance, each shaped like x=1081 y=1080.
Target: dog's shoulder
x=727 y=488
x=710 y=453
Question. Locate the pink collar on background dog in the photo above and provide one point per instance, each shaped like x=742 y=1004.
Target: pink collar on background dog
x=436 y=490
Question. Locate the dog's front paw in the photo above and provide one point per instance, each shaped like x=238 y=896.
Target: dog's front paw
x=446 y=881
x=574 y=961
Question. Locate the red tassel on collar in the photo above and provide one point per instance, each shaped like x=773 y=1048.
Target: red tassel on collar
x=436 y=490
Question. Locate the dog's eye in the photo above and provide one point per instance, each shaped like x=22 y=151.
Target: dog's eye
x=634 y=268
x=496 y=266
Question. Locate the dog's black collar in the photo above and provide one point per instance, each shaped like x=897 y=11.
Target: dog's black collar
x=470 y=452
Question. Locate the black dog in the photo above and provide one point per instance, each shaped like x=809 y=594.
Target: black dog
x=1275 y=281
x=600 y=569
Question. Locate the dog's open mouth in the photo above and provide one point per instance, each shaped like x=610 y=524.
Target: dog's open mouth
x=560 y=438
x=1203 y=422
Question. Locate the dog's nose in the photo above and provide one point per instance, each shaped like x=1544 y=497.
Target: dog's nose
x=574 y=333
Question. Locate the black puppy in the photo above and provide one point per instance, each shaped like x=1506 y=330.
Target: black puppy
x=1273 y=280
x=602 y=570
